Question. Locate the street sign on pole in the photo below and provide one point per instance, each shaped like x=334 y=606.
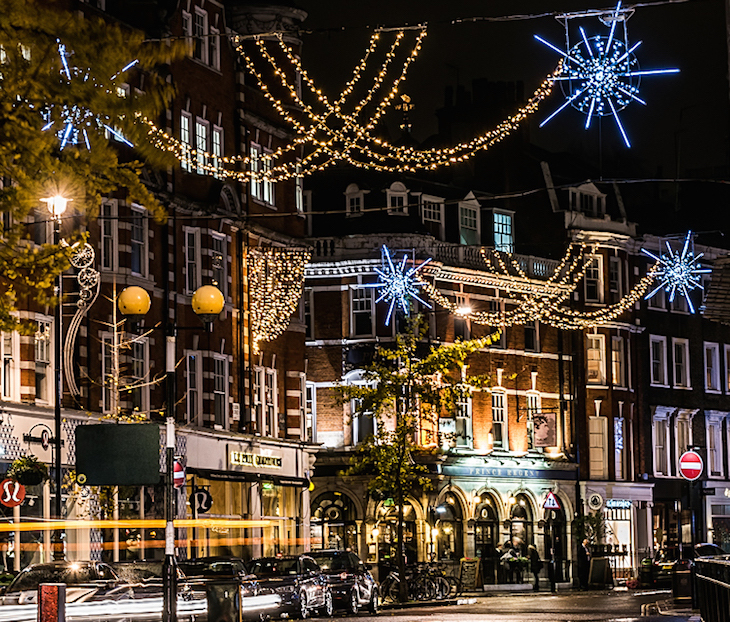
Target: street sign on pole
x=691 y=465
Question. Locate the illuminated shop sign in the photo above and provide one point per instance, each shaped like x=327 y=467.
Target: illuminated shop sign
x=240 y=458
x=618 y=504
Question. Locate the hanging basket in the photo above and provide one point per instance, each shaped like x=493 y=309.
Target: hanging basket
x=28 y=471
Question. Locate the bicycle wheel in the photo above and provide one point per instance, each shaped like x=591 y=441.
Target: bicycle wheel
x=456 y=587
x=394 y=592
x=425 y=589
x=443 y=588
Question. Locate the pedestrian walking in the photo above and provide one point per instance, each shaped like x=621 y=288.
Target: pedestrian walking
x=584 y=563
x=535 y=565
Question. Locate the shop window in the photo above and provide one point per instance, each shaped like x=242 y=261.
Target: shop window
x=362 y=318
x=108 y=235
x=680 y=350
x=499 y=420
x=333 y=523
x=387 y=539
x=448 y=522
x=658 y=356
x=521 y=523
x=595 y=358
x=594 y=280
x=712 y=367
x=597 y=446
x=43 y=350
x=486 y=537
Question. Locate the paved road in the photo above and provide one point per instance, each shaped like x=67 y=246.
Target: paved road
x=603 y=606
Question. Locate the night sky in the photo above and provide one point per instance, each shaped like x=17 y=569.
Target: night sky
x=686 y=118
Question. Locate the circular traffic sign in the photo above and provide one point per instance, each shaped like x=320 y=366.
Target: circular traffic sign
x=178 y=478
x=691 y=465
x=12 y=493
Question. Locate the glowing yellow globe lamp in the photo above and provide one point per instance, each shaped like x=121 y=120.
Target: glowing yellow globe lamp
x=56 y=205
x=133 y=301
x=208 y=302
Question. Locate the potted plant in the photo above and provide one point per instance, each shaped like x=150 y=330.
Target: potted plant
x=28 y=471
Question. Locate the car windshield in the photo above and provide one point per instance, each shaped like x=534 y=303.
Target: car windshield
x=72 y=574
x=274 y=567
x=331 y=562
x=210 y=568
x=138 y=571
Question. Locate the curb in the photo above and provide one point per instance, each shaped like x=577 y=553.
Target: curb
x=430 y=603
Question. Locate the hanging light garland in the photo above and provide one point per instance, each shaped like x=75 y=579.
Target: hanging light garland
x=275 y=282
x=335 y=136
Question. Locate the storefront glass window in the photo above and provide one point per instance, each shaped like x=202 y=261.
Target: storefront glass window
x=332 y=523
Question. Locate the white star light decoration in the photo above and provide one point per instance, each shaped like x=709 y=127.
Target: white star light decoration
x=678 y=271
x=77 y=121
x=601 y=74
x=397 y=283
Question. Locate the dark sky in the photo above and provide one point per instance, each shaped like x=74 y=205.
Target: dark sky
x=687 y=114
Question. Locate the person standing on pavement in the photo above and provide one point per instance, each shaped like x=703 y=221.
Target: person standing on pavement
x=584 y=563
x=535 y=565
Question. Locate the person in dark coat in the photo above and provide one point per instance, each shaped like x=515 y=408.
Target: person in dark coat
x=535 y=565
x=584 y=563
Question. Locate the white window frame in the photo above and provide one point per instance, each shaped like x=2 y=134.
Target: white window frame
x=618 y=361
x=354 y=201
x=299 y=190
x=463 y=417
x=658 y=302
x=10 y=371
x=356 y=377
x=107 y=372
x=397 y=199
x=141 y=343
x=615 y=285
x=217 y=149
x=43 y=350
x=219 y=254
x=309 y=425
x=500 y=417
x=219 y=395
x=504 y=231
x=661 y=442
x=594 y=273
x=194 y=387
x=619 y=443
x=193 y=262
x=662 y=342
x=186 y=140
x=681 y=379
x=109 y=235
x=214 y=48
x=713 y=433
x=255 y=167
x=535 y=326
x=597 y=447
x=533 y=405
x=308 y=312
x=367 y=294
x=469 y=220
x=187 y=28
x=258 y=398
x=271 y=402
x=727 y=369
x=269 y=187
x=712 y=367
x=683 y=428
x=592 y=340
x=141 y=244
x=432 y=210
x=202 y=138
x=202 y=36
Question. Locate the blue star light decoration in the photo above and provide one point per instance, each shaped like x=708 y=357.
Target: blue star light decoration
x=398 y=283
x=678 y=271
x=76 y=121
x=601 y=74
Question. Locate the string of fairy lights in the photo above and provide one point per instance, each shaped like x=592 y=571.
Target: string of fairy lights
x=275 y=282
x=335 y=136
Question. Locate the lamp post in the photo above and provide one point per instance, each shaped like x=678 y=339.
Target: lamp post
x=57 y=206
x=207 y=303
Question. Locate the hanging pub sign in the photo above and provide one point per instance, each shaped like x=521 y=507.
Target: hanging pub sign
x=544 y=424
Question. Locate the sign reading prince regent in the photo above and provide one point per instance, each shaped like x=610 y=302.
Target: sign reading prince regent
x=240 y=458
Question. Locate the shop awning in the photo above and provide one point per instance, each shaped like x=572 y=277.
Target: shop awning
x=246 y=476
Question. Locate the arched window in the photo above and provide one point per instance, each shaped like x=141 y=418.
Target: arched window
x=387 y=526
x=521 y=518
x=332 y=523
x=449 y=523
x=486 y=536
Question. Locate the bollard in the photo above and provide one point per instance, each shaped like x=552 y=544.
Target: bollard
x=52 y=602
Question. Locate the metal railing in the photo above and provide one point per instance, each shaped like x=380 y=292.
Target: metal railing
x=712 y=584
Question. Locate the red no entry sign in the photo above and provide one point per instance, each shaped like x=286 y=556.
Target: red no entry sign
x=691 y=465
x=179 y=475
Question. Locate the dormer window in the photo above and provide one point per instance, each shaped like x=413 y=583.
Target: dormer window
x=588 y=200
x=354 y=200
x=397 y=196
x=504 y=240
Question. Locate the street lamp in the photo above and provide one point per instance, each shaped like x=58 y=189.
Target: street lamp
x=57 y=206
x=207 y=303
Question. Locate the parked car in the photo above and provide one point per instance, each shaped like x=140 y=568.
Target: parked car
x=298 y=580
x=144 y=577
x=85 y=580
x=350 y=580
x=214 y=567
x=666 y=559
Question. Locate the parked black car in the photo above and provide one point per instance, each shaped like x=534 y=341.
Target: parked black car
x=298 y=580
x=666 y=559
x=350 y=580
x=144 y=577
x=214 y=567
x=85 y=580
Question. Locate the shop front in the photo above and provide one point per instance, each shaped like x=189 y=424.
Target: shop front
x=716 y=509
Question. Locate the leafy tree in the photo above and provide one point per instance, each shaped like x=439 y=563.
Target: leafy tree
x=40 y=85
x=406 y=391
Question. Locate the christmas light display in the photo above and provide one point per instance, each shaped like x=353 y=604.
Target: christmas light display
x=398 y=283
x=335 y=136
x=678 y=271
x=601 y=74
x=275 y=281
